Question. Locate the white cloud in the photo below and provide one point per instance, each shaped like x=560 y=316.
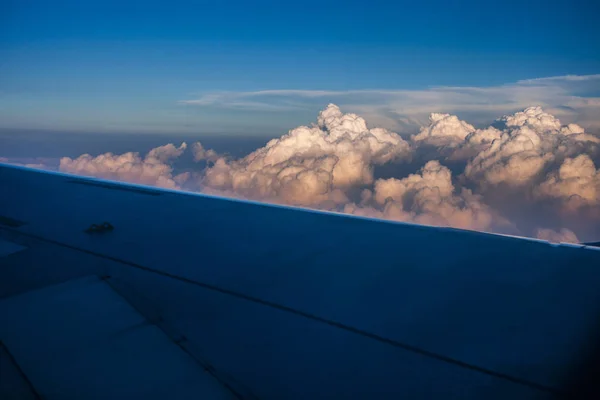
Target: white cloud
x=566 y=78
x=444 y=130
x=531 y=139
x=311 y=166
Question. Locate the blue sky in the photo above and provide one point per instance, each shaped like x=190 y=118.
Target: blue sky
x=133 y=66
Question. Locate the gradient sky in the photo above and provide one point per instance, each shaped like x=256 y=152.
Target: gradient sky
x=126 y=66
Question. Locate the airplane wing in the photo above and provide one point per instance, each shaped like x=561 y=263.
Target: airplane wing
x=184 y=295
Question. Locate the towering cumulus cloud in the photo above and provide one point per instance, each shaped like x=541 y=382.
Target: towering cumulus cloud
x=530 y=141
x=311 y=166
x=340 y=164
x=444 y=130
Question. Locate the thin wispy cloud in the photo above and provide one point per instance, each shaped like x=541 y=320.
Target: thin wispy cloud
x=573 y=98
x=562 y=78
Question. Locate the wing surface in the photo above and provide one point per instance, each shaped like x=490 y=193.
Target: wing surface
x=235 y=299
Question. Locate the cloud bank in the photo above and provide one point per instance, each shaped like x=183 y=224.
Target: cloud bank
x=526 y=174
x=152 y=170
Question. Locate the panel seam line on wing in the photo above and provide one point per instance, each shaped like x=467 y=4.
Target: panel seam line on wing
x=360 y=332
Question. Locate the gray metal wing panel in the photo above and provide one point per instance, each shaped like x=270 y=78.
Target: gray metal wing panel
x=519 y=308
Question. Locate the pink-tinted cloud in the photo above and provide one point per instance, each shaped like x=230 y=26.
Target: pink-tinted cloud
x=332 y=165
x=129 y=167
x=428 y=197
x=311 y=165
x=576 y=183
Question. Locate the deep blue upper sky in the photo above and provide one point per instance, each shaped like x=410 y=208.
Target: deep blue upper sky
x=124 y=65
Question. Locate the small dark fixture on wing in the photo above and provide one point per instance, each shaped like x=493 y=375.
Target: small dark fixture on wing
x=100 y=228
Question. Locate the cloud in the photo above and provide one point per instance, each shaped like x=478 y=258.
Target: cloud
x=130 y=167
x=576 y=184
x=561 y=236
x=37 y=162
x=202 y=154
x=444 y=130
x=164 y=153
x=564 y=78
x=428 y=197
x=571 y=98
x=523 y=173
x=530 y=140
x=311 y=166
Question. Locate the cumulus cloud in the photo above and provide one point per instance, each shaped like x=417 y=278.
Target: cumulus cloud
x=130 y=167
x=444 y=130
x=428 y=197
x=530 y=140
x=341 y=164
x=453 y=137
x=311 y=165
x=164 y=153
x=202 y=154
x=576 y=183
x=561 y=236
